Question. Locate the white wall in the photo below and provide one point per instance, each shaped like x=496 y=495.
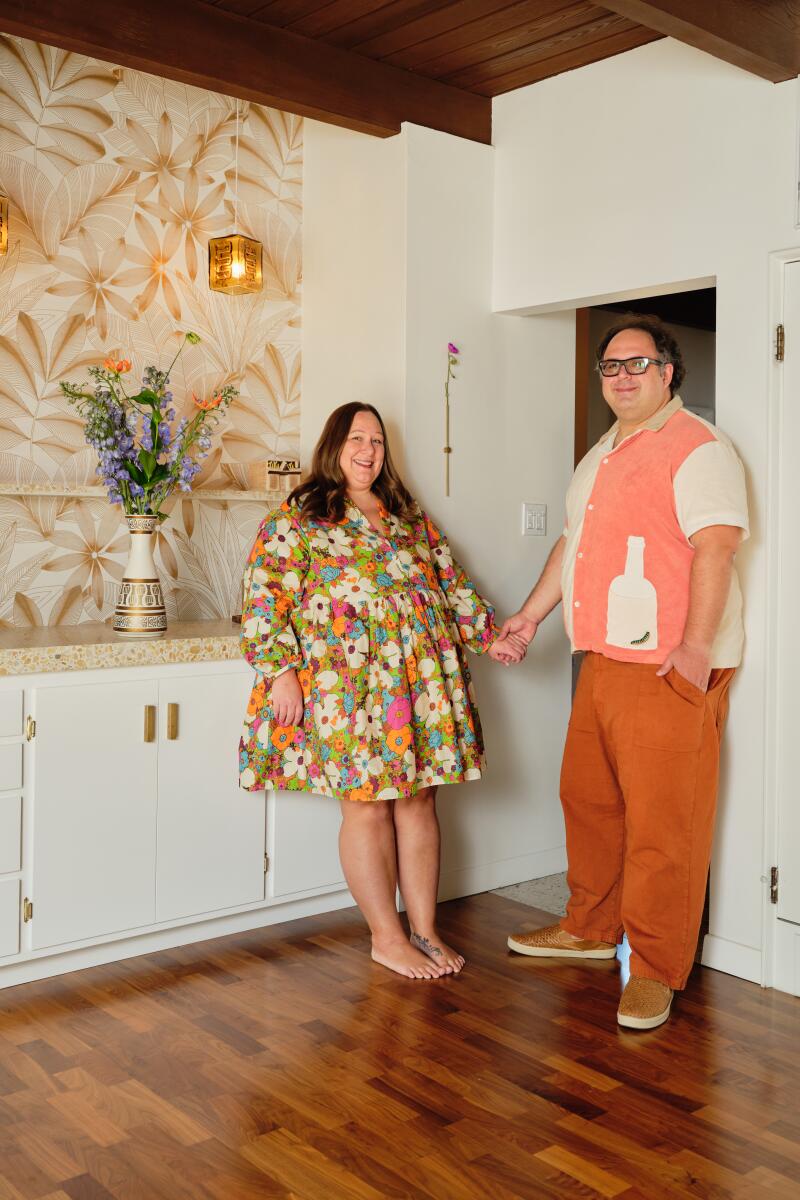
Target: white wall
x=398 y=254
x=511 y=433
x=354 y=250
x=708 y=193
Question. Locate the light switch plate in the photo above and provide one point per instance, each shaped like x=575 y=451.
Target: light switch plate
x=534 y=520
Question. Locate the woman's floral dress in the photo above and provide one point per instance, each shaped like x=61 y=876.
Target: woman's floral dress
x=376 y=628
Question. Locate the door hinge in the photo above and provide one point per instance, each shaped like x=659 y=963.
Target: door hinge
x=266 y=863
x=780 y=343
x=773 y=885
x=27 y=909
x=30 y=729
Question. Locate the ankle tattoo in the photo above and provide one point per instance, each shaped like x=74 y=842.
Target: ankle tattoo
x=425 y=945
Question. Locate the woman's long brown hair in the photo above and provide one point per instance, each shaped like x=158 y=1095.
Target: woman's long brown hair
x=322 y=494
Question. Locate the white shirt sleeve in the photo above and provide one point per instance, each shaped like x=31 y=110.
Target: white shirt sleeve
x=710 y=489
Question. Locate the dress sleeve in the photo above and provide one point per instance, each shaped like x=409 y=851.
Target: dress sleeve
x=273 y=582
x=474 y=616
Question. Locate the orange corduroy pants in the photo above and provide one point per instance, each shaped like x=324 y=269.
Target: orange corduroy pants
x=639 y=787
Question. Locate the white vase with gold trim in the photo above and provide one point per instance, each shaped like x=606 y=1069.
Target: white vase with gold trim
x=140 y=610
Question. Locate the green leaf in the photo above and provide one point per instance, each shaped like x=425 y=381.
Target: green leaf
x=147 y=461
x=147 y=396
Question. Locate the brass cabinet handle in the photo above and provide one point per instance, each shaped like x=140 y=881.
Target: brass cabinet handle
x=149 y=722
x=172 y=722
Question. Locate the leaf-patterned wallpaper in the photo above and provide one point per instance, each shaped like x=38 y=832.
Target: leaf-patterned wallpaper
x=116 y=180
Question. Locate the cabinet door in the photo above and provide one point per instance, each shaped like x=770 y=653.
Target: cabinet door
x=304 y=843
x=211 y=834
x=94 y=817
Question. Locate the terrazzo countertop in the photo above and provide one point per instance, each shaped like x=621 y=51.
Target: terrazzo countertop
x=87 y=647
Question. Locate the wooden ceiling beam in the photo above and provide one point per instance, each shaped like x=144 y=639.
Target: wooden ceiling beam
x=209 y=48
x=760 y=36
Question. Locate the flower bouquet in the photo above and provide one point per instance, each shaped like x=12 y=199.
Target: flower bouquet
x=143 y=455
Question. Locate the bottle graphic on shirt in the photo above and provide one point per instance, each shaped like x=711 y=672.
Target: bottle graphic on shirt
x=633 y=604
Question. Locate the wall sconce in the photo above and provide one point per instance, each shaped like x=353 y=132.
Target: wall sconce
x=234 y=261
x=3 y=225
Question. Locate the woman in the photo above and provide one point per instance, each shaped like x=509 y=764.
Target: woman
x=355 y=620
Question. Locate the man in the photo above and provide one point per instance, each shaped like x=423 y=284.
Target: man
x=655 y=513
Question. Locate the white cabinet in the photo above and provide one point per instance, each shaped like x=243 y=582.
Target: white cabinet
x=210 y=833
x=94 y=812
x=122 y=823
x=138 y=816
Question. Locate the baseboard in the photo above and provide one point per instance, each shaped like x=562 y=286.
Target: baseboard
x=732 y=957
x=485 y=877
x=60 y=963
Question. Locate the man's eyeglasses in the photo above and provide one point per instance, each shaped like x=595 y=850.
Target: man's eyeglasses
x=609 y=367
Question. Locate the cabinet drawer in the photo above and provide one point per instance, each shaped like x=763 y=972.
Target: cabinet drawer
x=10 y=767
x=9 y=917
x=10 y=714
x=10 y=831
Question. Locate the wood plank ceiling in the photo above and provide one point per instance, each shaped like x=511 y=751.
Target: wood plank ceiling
x=372 y=64
x=483 y=46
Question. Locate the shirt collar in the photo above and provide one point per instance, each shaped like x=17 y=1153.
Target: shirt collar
x=656 y=422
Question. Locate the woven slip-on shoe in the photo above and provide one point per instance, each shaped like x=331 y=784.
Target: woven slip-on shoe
x=645 y=1004
x=553 y=942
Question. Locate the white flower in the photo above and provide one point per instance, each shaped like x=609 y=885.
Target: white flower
x=294 y=763
x=333 y=542
x=319 y=648
x=333 y=772
x=356 y=651
x=283 y=540
x=450 y=661
x=426 y=667
x=327 y=680
x=431 y=703
x=352 y=588
x=462 y=601
x=444 y=755
x=328 y=717
x=247 y=777
x=400 y=564
x=392 y=653
x=291 y=582
x=363 y=723
x=318 y=609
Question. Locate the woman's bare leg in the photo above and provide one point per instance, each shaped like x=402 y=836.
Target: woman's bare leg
x=369 y=860
x=418 y=851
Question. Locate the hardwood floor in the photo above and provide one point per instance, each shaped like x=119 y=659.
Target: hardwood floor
x=282 y=1063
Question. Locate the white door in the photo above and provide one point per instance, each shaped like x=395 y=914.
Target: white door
x=94 y=818
x=211 y=834
x=788 y=640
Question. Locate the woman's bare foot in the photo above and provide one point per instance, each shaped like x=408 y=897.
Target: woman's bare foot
x=439 y=952
x=401 y=957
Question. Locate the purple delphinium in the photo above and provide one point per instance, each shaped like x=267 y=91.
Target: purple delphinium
x=141 y=463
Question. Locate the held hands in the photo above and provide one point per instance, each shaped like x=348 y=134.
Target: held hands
x=515 y=636
x=692 y=662
x=286 y=696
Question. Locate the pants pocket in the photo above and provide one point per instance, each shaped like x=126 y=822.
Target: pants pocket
x=670 y=714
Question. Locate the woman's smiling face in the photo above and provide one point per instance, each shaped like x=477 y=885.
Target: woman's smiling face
x=361 y=457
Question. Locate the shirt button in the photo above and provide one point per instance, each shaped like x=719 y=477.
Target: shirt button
x=605 y=460
x=591 y=506
x=580 y=554
x=577 y=603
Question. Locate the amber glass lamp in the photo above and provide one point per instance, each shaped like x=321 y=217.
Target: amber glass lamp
x=4 y=227
x=234 y=261
x=234 y=264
